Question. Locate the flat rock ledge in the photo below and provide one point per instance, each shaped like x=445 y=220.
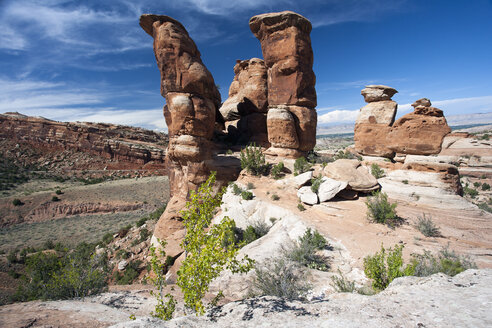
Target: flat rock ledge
x=436 y=301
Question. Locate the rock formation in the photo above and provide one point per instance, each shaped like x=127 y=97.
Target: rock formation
x=374 y=121
x=286 y=47
x=129 y=147
x=420 y=132
x=245 y=110
x=351 y=171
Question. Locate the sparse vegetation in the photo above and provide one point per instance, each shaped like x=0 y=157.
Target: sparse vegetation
x=250 y=186
x=152 y=216
x=130 y=274
x=275 y=197
x=342 y=284
x=55 y=199
x=305 y=250
x=316 y=182
x=247 y=195
x=380 y=210
x=58 y=192
x=446 y=261
x=405 y=181
x=470 y=191
x=17 y=202
x=427 y=227
x=253 y=160
x=386 y=265
x=301 y=165
x=277 y=170
x=485 y=186
x=377 y=171
x=346 y=155
x=301 y=207
x=280 y=277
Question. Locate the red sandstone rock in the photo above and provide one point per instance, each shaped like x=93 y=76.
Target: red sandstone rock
x=374 y=93
x=281 y=126
x=134 y=146
x=372 y=139
x=286 y=47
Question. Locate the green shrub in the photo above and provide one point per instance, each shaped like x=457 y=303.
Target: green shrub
x=301 y=165
x=445 y=261
x=250 y=186
x=247 y=195
x=236 y=190
x=485 y=207
x=55 y=199
x=470 y=191
x=376 y=171
x=485 y=186
x=17 y=202
x=12 y=257
x=253 y=160
x=58 y=192
x=277 y=170
x=342 y=284
x=346 y=155
x=144 y=234
x=405 y=181
x=315 y=183
x=427 y=227
x=275 y=197
x=385 y=266
x=304 y=251
x=379 y=210
x=49 y=244
x=477 y=184
x=107 y=238
x=280 y=277
x=301 y=207
x=130 y=274
x=152 y=216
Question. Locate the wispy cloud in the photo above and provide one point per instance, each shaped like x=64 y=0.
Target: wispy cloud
x=338 y=116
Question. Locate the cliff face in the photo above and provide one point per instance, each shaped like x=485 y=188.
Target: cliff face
x=115 y=142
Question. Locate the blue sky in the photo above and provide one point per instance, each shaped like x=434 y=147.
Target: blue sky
x=91 y=61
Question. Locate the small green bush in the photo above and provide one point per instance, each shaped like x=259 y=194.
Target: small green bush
x=12 y=257
x=17 y=202
x=277 y=170
x=247 y=195
x=301 y=207
x=485 y=186
x=385 y=266
x=304 y=251
x=49 y=244
x=280 y=277
x=144 y=234
x=55 y=199
x=446 y=261
x=130 y=274
x=315 y=183
x=427 y=227
x=470 y=191
x=107 y=238
x=236 y=190
x=380 y=210
x=58 y=192
x=346 y=155
x=405 y=181
x=342 y=284
x=253 y=160
x=376 y=171
x=275 y=197
x=477 y=184
x=485 y=207
x=301 y=165
x=250 y=186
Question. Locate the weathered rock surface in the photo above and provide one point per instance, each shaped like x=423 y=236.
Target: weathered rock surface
x=435 y=301
x=329 y=188
x=420 y=132
x=374 y=93
x=302 y=179
x=135 y=147
x=374 y=121
x=351 y=171
x=307 y=196
x=286 y=47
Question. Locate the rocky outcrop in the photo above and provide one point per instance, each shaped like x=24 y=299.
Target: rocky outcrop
x=351 y=171
x=286 y=47
x=129 y=145
x=244 y=112
x=374 y=121
x=420 y=132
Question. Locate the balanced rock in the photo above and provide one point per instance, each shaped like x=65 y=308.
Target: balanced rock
x=373 y=93
x=329 y=188
x=357 y=177
x=420 y=132
x=286 y=47
x=303 y=179
x=374 y=121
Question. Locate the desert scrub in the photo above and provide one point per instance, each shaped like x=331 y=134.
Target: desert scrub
x=247 y=195
x=342 y=284
x=129 y=275
x=485 y=186
x=405 y=181
x=152 y=216
x=236 y=190
x=253 y=160
x=275 y=197
x=427 y=227
x=58 y=192
x=55 y=199
x=250 y=186
x=346 y=155
x=280 y=277
x=470 y=191
x=301 y=165
x=17 y=202
x=380 y=210
x=376 y=171
x=385 y=266
x=315 y=183
x=301 y=207
x=446 y=261
x=304 y=251
x=206 y=257
x=277 y=170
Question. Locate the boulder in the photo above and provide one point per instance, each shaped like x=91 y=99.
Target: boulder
x=329 y=188
x=281 y=127
x=307 y=196
x=351 y=171
x=122 y=265
x=374 y=93
x=422 y=102
x=379 y=112
x=302 y=179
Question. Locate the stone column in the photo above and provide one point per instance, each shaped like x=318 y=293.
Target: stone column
x=286 y=47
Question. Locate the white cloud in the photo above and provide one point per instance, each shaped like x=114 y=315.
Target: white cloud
x=338 y=115
x=10 y=40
